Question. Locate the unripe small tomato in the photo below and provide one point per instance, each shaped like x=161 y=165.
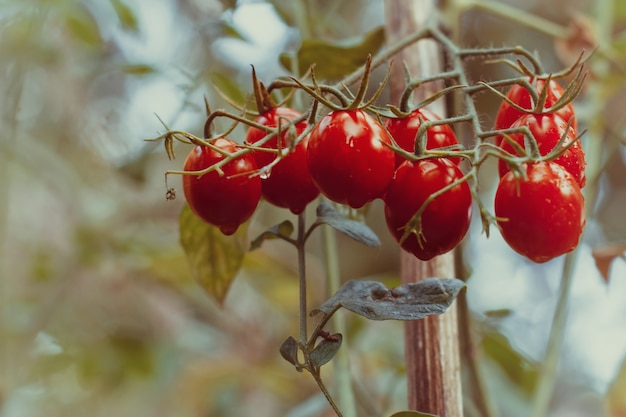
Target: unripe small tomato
x=225 y=201
x=542 y=215
x=349 y=157
x=444 y=221
x=404 y=132
x=289 y=182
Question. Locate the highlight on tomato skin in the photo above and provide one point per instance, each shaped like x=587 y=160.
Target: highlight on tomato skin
x=541 y=216
x=519 y=95
x=548 y=129
x=289 y=183
x=225 y=201
x=446 y=219
x=349 y=157
x=404 y=132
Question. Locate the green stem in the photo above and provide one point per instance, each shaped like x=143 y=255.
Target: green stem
x=341 y=361
x=306 y=345
x=384 y=56
x=473 y=356
x=471 y=352
x=548 y=374
x=322 y=387
x=518 y=16
x=302 y=278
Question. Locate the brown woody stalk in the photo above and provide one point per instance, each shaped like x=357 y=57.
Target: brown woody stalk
x=431 y=345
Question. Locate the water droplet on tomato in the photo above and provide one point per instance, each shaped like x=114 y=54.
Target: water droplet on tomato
x=265 y=173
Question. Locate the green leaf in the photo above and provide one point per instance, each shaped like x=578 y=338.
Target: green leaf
x=413 y=301
x=83 y=26
x=228 y=87
x=610 y=211
x=326 y=350
x=284 y=229
x=138 y=69
x=333 y=60
x=229 y=30
x=214 y=258
x=604 y=256
x=519 y=369
x=412 y=414
x=327 y=214
x=289 y=350
x=126 y=16
x=498 y=313
x=616 y=394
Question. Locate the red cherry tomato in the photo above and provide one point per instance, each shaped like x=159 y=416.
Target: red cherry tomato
x=225 y=201
x=349 y=158
x=289 y=182
x=445 y=220
x=404 y=131
x=541 y=216
x=519 y=95
x=548 y=130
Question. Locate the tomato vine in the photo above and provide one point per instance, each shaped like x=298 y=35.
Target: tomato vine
x=405 y=155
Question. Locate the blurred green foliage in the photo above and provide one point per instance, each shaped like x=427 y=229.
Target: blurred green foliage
x=99 y=311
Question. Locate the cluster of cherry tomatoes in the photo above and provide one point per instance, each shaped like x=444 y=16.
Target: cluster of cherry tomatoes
x=540 y=206
x=352 y=158
x=348 y=157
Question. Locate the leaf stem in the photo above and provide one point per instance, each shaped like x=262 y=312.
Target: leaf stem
x=322 y=387
x=548 y=373
x=301 y=239
x=342 y=360
x=518 y=16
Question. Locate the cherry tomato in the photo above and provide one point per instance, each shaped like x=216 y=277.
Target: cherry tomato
x=519 y=95
x=548 y=130
x=404 y=132
x=289 y=182
x=349 y=158
x=540 y=216
x=445 y=220
x=225 y=201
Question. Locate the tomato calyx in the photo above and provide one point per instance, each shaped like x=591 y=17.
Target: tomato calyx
x=428 y=207
x=421 y=134
x=414 y=225
x=220 y=188
x=262 y=97
x=543 y=137
x=357 y=102
x=537 y=94
x=418 y=132
x=284 y=172
x=349 y=157
x=539 y=90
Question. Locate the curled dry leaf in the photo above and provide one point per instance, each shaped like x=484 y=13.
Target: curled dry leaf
x=356 y=230
x=580 y=37
x=412 y=301
x=605 y=255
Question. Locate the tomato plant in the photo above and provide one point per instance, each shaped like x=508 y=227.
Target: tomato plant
x=288 y=184
x=519 y=95
x=227 y=200
x=444 y=221
x=349 y=157
x=540 y=215
x=404 y=131
x=548 y=129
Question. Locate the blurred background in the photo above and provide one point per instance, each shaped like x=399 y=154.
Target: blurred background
x=99 y=313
